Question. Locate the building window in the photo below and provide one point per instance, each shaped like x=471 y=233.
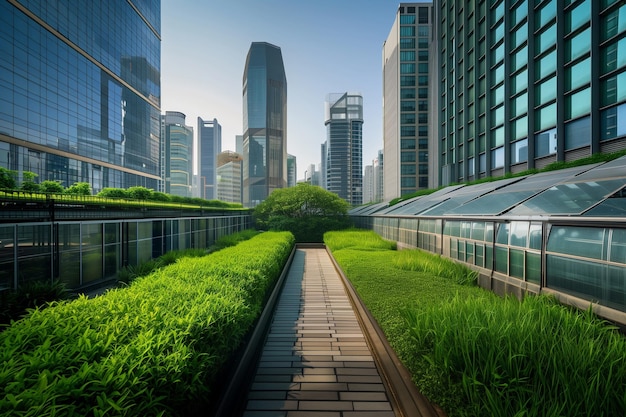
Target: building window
x=546 y=39
x=545 y=143
x=519 y=151
x=519 y=36
x=407 y=43
x=407 y=80
x=407 y=93
x=545 y=92
x=613 y=122
x=519 y=128
x=407 y=69
x=578 y=133
x=613 y=89
x=519 y=13
x=614 y=23
x=497 y=158
x=577 y=17
x=545 y=66
x=407 y=56
x=578 y=45
x=578 y=104
x=613 y=56
x=407 y=31
x=520 y=59
x=544 y=15
x=407 y=19
x=407 y=105
x=423 y=15
x=578 y=75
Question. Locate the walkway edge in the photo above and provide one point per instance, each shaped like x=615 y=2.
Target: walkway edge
x=405 y=397
x=232 y=399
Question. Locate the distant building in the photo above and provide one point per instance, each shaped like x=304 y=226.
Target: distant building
x=177 y=155
x=378 y=177
x=406 y=81
x=229 y=170
x=344 y=146
x=368 y=184
x=209 y=146
x=324 y=156
x=264 y=123
x=79 y=102
x=292 y=171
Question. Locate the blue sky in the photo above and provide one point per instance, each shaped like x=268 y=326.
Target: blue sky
x=327 y=46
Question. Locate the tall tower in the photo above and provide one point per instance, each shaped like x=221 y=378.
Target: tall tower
x=209 y=146
x=79 y=103
x=292 y=171
x=344 y=146
x=177 y=155
x=264 y=123
x=406 y=81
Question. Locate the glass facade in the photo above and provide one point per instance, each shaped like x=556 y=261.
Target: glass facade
x=406 y=75
x=80 y=91
x=177 y=163
x=209 y=147
x=520 y=86
x=81 y=253
x=264 y=123
x=344 y=146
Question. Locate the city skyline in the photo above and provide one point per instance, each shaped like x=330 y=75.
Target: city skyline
x=326 y=46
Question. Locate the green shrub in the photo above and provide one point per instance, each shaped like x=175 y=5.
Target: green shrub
x=113 y=193
x=50 y=186
x=139 y=193
x=29 y=295
x=153 y=348
x=79 y=188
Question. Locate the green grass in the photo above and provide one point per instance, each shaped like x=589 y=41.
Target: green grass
x=476 y=354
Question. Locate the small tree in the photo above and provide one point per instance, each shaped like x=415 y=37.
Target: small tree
x=109 y=192
x=139 y=193
x=51 y=186
x=305 y=210
x=79 y=188
x=7 y=179
x=28 y=182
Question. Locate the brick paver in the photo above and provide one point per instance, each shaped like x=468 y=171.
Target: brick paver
x=316 y=361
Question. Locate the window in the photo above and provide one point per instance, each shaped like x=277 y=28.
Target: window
x=407 y=93
x=519 y=13
x=497 y=158
x=407 y=43
x=407 y=19
x=578 y=104
x=519 y=59
x=519 y=128
x=519 y=36
x=546 y=39
x=613 y=122
x=578 y=75
x=407 y=105
x=407 y=31
x=613 y=89
x=519 y=151
x=520 y=105
x=614 y=23
x=578 y=45
x=613 y=56
x=577 y=133
x=545 y=142
x=519 y=82
x=407 y=56
x=544 y=15
x=423 y=15
x=545 y=91
x=546 y=65
x=577 y=17
x=407 y=80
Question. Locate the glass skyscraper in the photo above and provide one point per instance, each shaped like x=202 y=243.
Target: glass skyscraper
x=80 y=91
x=264 y=123
x=527 y=83
x=344 y=146
x=177 y=162
x=209 y=147
x=406 y=92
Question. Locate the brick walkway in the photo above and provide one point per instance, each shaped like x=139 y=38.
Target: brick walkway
x=315 y=361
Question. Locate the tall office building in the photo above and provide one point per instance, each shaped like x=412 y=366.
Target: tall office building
x=209 y=146
x=177 y=163
x=229 y=168
x=368 y=184
x=292 y=171
x=344 y=146
x=378 y=177
x=524 y=84
x=264 y=123
x=406 y=80
x=79 y=102
x=324 y=155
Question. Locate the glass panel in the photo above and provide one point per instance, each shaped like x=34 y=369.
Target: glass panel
x=578 y=132
x=478 y=231
x=616 y=296
x=545 y=142
x=546 y=65
x=613 y=122
x=546 y=39
x=545 y=14
x=519 y=36
x=520 y=105
x=519 y=13
x=533 y=267
x=502 y=259
x=545 y=118
x=516 y=267
x=545 y=91
x=520 y=128
x=519 y=82
x=534 y=239
x=497 y=158
x=614 y=23
x=578 y=45
x=503 y=234
x=480 y=255
x=613 y=56
x=578 y=104
x=578 y=75
x=519 y=234
x=618 y=246
x=577 y=17
x=613 y=89
x=575 y=276
x=519 y=151
x=519 y=59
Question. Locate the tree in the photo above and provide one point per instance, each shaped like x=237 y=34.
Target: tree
x=28 y=182
x=139 y=193
x=51 y=186
x=79 y=188
x=7 y=179
x=109 y=192
x=305 y=210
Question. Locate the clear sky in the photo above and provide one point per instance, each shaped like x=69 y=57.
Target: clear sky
x=328 y=46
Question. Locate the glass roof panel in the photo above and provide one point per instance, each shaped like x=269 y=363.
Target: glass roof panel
x=569 y=198
x=614 y=206
x=493 y=203
x=426 y=200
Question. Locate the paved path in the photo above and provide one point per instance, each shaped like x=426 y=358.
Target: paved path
x=315 y=361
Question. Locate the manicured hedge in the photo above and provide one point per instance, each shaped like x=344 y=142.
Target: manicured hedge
x=154 y=348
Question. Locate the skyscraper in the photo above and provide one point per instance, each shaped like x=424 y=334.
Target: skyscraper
x=77 y=101
x=344 y=146
x=209 y=146
x=406 y=80
x=264 y=123
x=177 y=153
x=229 y=166
x=524 y=84
x=292 y=171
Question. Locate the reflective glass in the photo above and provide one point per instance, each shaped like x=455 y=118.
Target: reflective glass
x=613 y=122
x=497 y=157
x=519 y=36
x=545 y=91
x=578 y=104
x=578 y=16
x=613 y=56
x=545 y=14
x=497 y=116
x=519 y=151
x=613 y=89
x=586 y=242
x=613 y=23
x=519 y=128
x=545 y=117
x=545 y=66
x=519 y=13
x=578 y=133
x=519 y=82
x=545 y=142
x=519 y=59
x=614 y=206
x=578 y=75
x=578 y=45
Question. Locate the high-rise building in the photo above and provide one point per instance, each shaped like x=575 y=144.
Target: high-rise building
x=378 y=177
x=264 y=123
x=406 y=80
x=229 y=168
x=368 y=184
x=292 y=171
x=524 y=84
x=324 y=155
x=209 y=146
x=177 y=163
x=79 y=103
x=344 y=146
